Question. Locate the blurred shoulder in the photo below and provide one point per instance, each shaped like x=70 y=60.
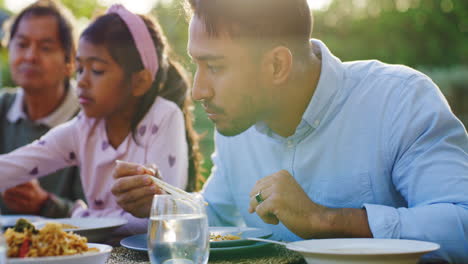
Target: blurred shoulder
x=7 y=98
x=382 y=80
x=377 y=69
x=7 y=93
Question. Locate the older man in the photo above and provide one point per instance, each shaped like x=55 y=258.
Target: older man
x=41 y=53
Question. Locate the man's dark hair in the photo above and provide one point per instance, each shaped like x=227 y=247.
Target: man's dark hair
x=61 y=14
x=277 y=22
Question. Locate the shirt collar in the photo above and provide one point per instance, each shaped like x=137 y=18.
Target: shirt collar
x=330 y=82
x=63 y=113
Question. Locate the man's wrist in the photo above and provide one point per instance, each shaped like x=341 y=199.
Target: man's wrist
x=330 y=223
x=322 y=223
x=347 y=222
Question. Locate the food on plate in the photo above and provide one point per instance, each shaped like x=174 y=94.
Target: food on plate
x=24 y=240
x=68 y=226
x=218 y=237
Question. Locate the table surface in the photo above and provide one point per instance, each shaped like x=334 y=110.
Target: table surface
x=269 y=254
x=266 y=255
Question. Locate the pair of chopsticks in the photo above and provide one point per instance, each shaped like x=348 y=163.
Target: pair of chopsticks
x=173 y=190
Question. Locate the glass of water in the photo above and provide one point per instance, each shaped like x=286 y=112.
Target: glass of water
x=178 y=230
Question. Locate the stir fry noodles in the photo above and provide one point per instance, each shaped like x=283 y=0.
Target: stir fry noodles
x=24 y=240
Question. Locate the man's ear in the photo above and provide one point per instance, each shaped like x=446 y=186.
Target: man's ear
x=141 y=82
x=69 y=68
x=278 y=62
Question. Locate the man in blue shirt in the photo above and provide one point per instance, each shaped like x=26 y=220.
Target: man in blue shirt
x=311 y=147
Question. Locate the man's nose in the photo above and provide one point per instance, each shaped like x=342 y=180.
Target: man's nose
x=32 y=53
x=202 y=88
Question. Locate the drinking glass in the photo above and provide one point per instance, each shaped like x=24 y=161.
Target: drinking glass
x=178 y=230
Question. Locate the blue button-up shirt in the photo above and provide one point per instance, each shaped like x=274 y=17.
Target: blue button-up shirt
x=374 y=135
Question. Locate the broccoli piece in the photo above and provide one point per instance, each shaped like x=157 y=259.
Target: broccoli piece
x=22 y=224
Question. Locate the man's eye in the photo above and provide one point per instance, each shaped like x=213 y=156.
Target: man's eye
x=46 y=48
x=214 y=68
x=21 y=45
x=97 y=72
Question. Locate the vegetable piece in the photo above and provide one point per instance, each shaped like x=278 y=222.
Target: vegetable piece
x=24 y=249
x=22 y=224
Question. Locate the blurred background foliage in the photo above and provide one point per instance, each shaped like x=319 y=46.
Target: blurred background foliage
x=416 y=33
x=429 y=35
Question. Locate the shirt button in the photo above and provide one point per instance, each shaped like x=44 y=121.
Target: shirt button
x=316 y=123
x=290 y=143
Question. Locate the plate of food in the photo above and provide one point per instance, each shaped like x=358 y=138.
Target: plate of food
x=92 y=257
x=232 y=236
x=52 y=245
x=10 y=220
x=221 y=238
x=93 y=228
x=362 y=250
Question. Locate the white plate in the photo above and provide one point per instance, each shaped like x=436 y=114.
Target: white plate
x=362 y=250
x=96 y=229
x=10 y=220
x=139 y=242
x=242 y=232
x=88 y=258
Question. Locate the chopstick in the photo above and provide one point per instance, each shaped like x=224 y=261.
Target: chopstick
x=171 y=189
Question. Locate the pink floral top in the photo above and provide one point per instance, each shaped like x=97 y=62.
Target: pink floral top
x=83 y=141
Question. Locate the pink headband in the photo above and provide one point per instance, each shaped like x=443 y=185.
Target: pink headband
x=141 y=37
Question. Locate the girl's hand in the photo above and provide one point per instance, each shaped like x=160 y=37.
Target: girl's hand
x=133 y=187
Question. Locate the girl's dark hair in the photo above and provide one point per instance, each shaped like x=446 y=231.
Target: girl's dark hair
x=171 y=81
x=270 y=22
x=63 y=17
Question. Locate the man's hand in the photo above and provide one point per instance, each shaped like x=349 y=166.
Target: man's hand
x=26 y=198
x=133 y=187
x=285 y=201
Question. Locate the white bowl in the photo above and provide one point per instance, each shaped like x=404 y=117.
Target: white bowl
x=96 y=229
x=88 y=258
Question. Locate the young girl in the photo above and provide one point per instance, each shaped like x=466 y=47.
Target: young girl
x=122 y=68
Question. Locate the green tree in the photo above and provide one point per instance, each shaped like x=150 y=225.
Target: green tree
x=410 y=32
x=4 y=73
x=173 y=20
x=83 y=8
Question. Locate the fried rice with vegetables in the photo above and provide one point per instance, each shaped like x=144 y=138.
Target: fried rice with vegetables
x=24 y=241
